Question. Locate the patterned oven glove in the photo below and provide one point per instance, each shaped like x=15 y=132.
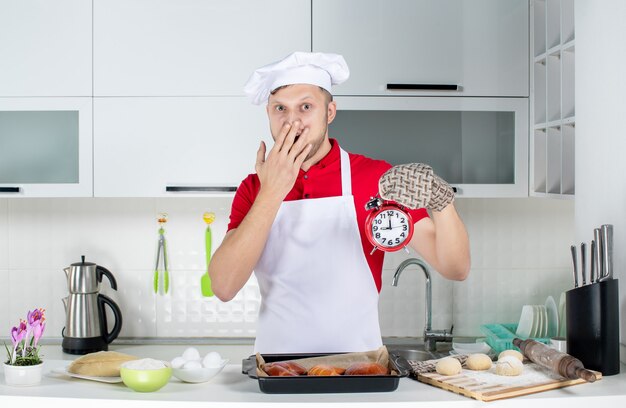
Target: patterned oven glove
x=414 y=186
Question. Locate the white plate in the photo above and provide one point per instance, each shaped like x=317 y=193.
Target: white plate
x=536 y=322
x=553 y=317
x=525 y=324
x=543 y=319
x=471 y=348
x=111 y=380
x=198 y=375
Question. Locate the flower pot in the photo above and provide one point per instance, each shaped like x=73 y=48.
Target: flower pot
x=22 y=375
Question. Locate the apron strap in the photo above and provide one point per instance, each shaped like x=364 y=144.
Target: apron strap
x=346 y=175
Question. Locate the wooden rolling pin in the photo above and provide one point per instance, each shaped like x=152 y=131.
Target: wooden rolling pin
x=554 y=360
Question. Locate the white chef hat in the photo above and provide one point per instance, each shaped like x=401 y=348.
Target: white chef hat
x=315 y=68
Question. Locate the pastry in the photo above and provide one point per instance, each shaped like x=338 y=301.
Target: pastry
x=323 y=369
x=100 y=364
x=366 y=369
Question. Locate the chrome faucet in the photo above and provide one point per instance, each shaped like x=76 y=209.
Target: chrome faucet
x=431 y=337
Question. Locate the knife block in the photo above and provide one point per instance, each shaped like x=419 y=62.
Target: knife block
x=592 y=315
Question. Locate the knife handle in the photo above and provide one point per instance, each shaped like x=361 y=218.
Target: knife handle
x=607 y=251
x=575 y=260
x=592 y=264
x=583 y=262
x=597 y=236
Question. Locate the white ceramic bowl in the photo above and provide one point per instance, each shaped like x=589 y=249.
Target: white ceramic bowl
x=198 y=375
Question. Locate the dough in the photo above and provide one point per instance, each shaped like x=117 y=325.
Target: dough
x=513 y=353
x=509 y=365
x=448 y=366
x=100 y=364
x=478 y=362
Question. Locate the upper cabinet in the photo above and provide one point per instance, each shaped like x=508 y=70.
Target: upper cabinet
x=45 y=48
x=175 y=146
x=45 y=147
x=426 y=47
x=192 y=47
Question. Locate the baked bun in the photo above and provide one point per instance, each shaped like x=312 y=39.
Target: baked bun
x=323 y=369
x=284 y=369
x=100 y=364
x=366 y=369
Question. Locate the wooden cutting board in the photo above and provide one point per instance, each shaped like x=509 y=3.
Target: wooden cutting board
x=488 y=386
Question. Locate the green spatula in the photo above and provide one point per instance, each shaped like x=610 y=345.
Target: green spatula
x=205 y=281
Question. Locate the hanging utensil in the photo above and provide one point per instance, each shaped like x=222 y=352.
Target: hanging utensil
x=575 y=260
x=161 y=254
x=205 y=281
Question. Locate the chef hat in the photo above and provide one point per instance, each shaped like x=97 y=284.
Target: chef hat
x=315 y=68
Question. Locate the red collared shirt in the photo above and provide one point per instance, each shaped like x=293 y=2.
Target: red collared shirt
x=324 y=180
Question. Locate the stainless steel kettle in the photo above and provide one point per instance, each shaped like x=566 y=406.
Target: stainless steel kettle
x=86 y=329
x=85 y=277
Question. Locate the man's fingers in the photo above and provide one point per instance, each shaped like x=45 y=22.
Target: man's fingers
x=280 y=140
x=260 y=154
x=296 y=128
x=299 y=145
x=302 y=156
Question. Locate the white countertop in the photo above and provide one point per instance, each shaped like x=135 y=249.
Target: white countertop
x=233 y=388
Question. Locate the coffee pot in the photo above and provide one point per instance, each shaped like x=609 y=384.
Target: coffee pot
x=86 y=328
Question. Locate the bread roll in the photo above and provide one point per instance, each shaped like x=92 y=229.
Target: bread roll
x=448 y=366
x=513 y=353
x=284 y=369
x=478 y=362
x=509 y=365
x=100 y=364
x=366 y=369
x=323 y=369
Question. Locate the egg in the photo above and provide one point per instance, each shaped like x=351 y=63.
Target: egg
x=178 y=362
x=191 y=354
x=193 y=364
x=212 y=359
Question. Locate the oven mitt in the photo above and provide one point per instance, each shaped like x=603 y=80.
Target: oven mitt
x=414 y=186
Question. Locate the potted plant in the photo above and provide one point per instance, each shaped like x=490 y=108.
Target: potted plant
x=23 y=366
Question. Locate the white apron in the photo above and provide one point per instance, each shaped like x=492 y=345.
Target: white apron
x=318 y=293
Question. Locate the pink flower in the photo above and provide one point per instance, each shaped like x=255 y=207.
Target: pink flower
x=38 y=332
x=18 y=333
x=35 y=316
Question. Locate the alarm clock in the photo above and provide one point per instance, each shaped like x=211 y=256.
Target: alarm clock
x=389 y=226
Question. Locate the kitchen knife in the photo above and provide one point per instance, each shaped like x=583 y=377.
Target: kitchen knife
x=607 y=258
x=592 y=264
x=583 y=262
x=597 y=236
x=575 y=260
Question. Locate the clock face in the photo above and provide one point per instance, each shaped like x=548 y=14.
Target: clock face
x=391 y=228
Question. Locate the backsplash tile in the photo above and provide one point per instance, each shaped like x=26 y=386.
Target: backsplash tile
x=6 y=321
x=519 y=253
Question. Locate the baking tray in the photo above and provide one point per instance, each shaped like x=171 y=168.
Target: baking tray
x=331 y=384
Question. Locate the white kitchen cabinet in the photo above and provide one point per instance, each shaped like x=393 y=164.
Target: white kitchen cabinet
x=46 y=147
x=552 y=99
x=192 y=47
x=481 y=46
x=45 y=48
x=478 y=145
x=144 y=147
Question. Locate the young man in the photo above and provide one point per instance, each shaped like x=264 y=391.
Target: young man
x=298 y=223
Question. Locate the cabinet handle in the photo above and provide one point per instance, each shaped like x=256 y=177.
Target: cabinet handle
x=423 y=87
x=9 y=189
x=456 y=189
x=197 y=189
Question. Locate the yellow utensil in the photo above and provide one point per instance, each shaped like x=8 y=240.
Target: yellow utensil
x=205 y=281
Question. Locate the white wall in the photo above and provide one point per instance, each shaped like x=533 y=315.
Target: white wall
x=600 y=134
x=519 y=253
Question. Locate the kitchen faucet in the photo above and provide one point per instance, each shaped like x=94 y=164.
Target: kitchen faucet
x=431 y=337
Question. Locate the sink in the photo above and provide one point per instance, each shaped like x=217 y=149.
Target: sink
x=414 y=355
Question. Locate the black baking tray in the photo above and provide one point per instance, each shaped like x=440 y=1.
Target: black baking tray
x=331 y=384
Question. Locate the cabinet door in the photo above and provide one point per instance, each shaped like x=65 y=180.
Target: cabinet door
x=45 y=48
x=45 y=147
x=192 y=47
x=479 y=45
x=478 y=145
x=145 y=145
